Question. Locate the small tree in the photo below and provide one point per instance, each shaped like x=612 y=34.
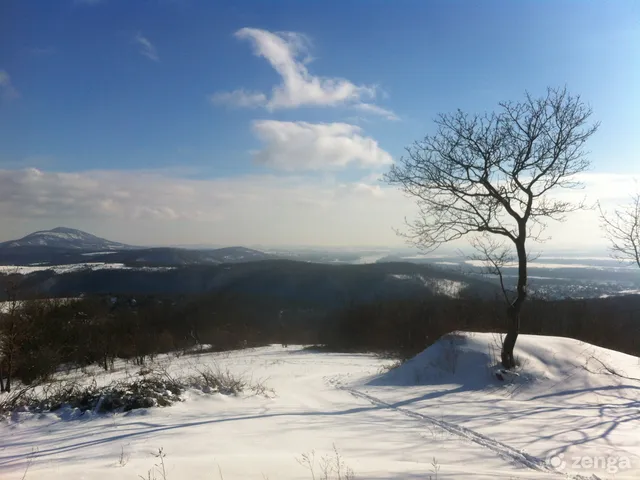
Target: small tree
x=9 y=335
x=622 y=229
x=492 y=174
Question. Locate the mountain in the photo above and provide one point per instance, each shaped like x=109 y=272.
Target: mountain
x=66 y=238
x=65 y=246
x=169 y=256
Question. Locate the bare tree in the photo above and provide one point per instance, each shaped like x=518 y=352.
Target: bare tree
x=9 y=335
x=622 y=229
x=492 y=174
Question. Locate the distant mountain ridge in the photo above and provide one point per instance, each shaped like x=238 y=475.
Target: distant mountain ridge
x=68 y=238
x=63 y=246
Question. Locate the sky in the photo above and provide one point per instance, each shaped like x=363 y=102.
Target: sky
x=173 y=122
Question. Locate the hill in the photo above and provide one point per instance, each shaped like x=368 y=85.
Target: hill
x=66 y=246
x=65 y=238
x=281 y=280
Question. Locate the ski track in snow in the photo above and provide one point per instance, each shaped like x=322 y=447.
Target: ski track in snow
x=503 y=450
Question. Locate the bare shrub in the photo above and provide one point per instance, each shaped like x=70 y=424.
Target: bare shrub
x=150 y=388
x=435 y=469
x=158 y=471
x=11 y=401
x=260 y=387
x=120 y=396
x=215 y=380
x=124 y=457
x=329 y=467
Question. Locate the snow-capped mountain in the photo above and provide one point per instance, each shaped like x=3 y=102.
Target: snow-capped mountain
x=68 y=238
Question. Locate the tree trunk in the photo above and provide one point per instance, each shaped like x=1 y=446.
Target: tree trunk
x=7 y=381
x=513 y=328
x=513 y=311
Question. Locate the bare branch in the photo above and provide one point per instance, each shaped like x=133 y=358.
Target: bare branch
x=495 y=256
x=622 y=229
x=492 y=173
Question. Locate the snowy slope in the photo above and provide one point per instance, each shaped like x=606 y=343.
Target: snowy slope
x=445 y=404
x=62 y=237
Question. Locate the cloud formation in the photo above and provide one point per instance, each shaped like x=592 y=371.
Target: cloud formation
x=8 y=91
x=289 y=53
x=155 y=208
x=316 y=146
x=146 y=48
x=147 y=207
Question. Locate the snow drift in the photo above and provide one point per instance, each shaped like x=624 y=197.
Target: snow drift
x=546 y=366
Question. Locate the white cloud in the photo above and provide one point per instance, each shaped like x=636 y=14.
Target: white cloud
x=155 y=208
x=316 y=146
x=146 y=48
x=9 y=92
x=375 y=109
x=239 y=98
x=144 y=207
x=288 y=53
x=375 y=190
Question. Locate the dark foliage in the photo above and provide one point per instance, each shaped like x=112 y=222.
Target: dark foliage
x=49 y=335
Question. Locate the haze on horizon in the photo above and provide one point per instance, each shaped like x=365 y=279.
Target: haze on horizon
x=246 y=123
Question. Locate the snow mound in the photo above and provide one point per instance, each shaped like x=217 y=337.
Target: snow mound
x=548 y=366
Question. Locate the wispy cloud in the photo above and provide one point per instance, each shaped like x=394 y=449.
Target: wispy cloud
x=8 y=91
x=375 y=109
x=316 y=146
x=146 y=48
x=289 y=54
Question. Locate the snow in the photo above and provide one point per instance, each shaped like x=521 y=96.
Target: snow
x=482 y=263
x=66 y=237
x=23 y=270
x=450 y=288
x=27 y=269
x=446 y=403
x=366 y=259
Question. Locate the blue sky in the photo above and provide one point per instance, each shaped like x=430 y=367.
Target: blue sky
x=107 y=107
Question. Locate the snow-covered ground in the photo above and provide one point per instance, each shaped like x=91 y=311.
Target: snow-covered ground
x=445 y=410
x=74 y=267
x=439 y=286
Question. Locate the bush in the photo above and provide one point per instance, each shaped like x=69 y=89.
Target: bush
x=154 y=388
x=211 y=380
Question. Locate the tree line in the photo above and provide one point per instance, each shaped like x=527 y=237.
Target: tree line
x=42 y=337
